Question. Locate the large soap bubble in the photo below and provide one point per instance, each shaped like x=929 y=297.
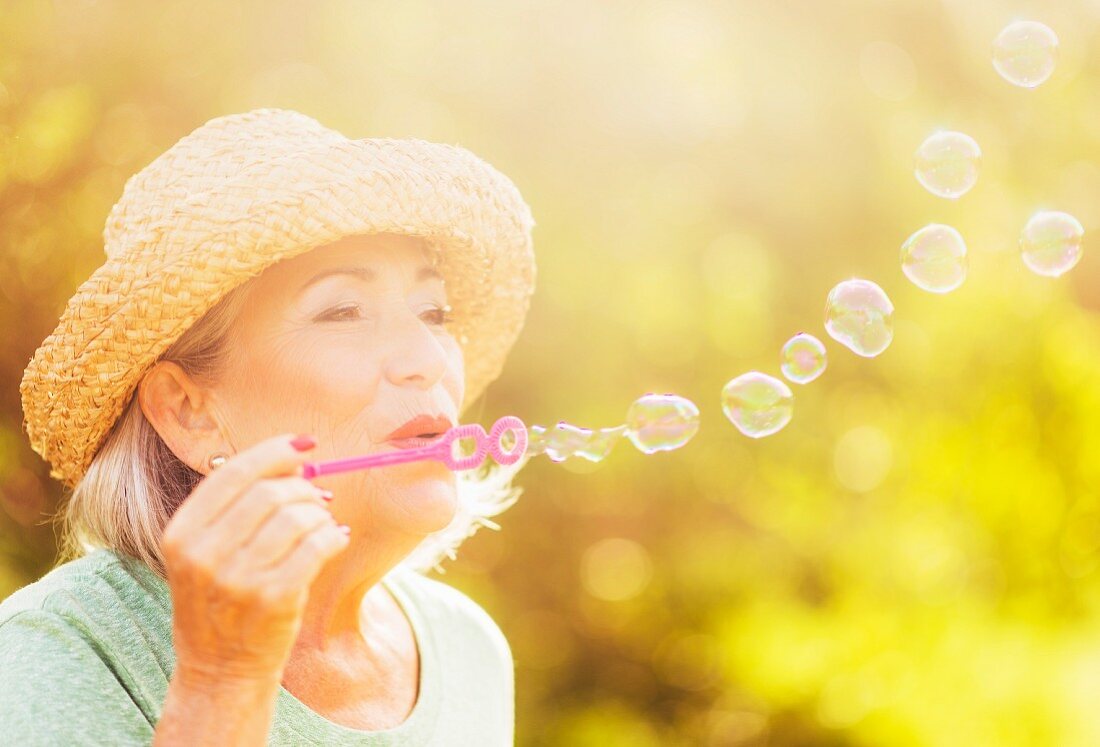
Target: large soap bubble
x=859 y=315
x=1050 y=243
x=934 y=258
x=1024 y=53
x=757 y=404
x=946 y=163
x=661 y=422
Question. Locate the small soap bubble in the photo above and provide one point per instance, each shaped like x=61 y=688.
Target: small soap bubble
x=758 y=404
x=565 y=440
x=600 y=443
x=803 y=358
x=946 y=163
x=934 y=258
x=536 y=440
x=1024 y=53
x=661 y=422
x=858 y=315
x=1051 y=243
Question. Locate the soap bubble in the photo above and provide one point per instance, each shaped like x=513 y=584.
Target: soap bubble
x=661 y=422
x=563 y=441
x=758 y=404
x=1024 y=53
x=600 y=443
x=536 y=440
x=934 y=258
x=946 y=163
x=803 y=358
x=858 y=316
x=1051 y=243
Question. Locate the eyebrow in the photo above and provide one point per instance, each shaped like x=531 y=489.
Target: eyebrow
x=366 y=275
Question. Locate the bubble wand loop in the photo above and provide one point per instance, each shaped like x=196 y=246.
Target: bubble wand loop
x=442 y=450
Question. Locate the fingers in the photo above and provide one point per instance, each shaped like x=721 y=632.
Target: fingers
x=282 y=532
x=239 y=522
x=301 y=565
x=241 y=553
x=272 y=457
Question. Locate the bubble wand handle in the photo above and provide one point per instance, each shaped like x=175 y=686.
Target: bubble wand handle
x=368 y=461
x=442 y=450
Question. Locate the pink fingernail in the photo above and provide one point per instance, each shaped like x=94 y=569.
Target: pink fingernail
x=304 y=442
x=326 y=494
x=344 y=528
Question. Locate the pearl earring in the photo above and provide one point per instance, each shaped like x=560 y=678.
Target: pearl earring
x=217 y=460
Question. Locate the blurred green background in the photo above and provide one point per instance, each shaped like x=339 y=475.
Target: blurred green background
x=914 y=560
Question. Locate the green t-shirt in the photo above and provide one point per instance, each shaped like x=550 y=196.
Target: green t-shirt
x=86 y=655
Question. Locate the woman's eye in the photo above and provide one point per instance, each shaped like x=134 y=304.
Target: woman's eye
x=341 y=313
x=438 y=316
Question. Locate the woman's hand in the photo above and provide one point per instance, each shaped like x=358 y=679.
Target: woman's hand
x=240 y=554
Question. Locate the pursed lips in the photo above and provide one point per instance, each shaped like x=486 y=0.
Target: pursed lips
x=419 y=431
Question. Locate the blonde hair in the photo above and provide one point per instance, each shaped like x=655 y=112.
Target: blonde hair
x=135 y=483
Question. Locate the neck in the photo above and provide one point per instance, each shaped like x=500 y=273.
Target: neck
x=346 y=595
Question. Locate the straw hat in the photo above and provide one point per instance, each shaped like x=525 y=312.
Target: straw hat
x=238 y=194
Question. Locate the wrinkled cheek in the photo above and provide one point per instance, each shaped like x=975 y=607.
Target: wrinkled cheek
x=276 y=376
x=421 y=499
x=347 y=400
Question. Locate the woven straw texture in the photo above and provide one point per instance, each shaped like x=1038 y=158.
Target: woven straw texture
x=238 y=194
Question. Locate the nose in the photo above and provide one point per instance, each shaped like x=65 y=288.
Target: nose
x=416 y=357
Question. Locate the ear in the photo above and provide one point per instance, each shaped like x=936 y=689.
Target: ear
x=179 y=410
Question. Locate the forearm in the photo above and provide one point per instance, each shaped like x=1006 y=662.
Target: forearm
x=202 y=710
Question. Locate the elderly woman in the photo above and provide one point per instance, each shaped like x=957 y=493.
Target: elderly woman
x=274 y=293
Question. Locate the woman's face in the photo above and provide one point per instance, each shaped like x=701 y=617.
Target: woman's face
x=347 y=342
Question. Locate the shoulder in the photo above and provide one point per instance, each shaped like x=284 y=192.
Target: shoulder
x=63 y=614
x=68 y=644
x=80 y=588
x=452 y=615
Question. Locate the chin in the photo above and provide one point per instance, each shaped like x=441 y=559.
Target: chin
x=423 y=505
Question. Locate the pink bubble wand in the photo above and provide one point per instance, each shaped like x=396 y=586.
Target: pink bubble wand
x=442 y=450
